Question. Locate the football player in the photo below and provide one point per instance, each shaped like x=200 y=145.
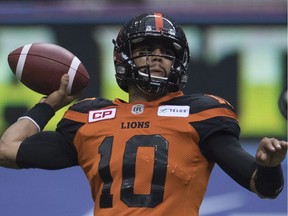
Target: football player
x=152 y=155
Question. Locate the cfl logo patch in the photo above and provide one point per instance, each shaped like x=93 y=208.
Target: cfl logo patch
x=99 y=115
x=137 y=109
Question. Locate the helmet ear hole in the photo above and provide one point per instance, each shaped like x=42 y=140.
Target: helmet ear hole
x=120 y=69
x=173 y=78
x=148 y=27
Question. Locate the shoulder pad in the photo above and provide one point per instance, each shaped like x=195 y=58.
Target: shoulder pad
x=88 y=104
x=200 y=102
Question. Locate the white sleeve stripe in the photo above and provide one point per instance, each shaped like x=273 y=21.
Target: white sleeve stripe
x=72 y=72
x=21 y=60
x=32 y=120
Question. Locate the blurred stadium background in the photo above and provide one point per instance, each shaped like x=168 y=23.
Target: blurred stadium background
x=238 y=51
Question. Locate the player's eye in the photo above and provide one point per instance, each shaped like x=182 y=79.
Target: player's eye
x=168 y=52
x=145 y=51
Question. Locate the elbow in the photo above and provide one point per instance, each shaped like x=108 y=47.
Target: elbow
x=8 y=155
x=2 y=152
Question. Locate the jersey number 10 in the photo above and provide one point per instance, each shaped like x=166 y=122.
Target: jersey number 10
x=155 y=197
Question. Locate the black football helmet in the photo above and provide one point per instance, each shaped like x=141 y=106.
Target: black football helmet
x=152 y=27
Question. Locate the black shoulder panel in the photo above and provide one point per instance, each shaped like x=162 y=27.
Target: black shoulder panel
x=91 y=104
x=200 y=102
x=206 y=105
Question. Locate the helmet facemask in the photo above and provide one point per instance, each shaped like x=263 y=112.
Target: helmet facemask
x=151 y=83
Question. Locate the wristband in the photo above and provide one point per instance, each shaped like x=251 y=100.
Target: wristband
x=40 y=115
x=269 y=181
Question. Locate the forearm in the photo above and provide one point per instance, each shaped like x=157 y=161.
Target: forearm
x=30 y=123
x=227 y=152
x=11 y=140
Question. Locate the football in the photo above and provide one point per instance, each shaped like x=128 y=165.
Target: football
x=40 y=66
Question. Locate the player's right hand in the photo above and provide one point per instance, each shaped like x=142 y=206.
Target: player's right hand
x=60 y=98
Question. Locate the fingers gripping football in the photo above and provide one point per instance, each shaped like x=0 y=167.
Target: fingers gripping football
x=58 y=99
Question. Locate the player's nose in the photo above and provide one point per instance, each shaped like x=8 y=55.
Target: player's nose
x=156 y=55
x=157 y=51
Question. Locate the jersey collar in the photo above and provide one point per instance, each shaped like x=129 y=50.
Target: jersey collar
x=167 y=97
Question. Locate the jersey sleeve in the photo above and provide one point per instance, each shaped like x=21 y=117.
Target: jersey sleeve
x=210 y=114
x=227 y=152
x=55 y=149
x=46 y=150
x=77 y=116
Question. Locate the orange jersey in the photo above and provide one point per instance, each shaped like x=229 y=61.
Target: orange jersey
x=145 y=159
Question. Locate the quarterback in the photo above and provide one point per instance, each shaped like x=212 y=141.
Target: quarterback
x=152 y=155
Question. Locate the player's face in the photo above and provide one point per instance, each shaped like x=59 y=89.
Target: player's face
x=157 y=56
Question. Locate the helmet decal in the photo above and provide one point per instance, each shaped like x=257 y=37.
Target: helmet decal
x=158 y=21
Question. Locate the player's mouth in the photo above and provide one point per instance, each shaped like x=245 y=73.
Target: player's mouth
x=157 y=71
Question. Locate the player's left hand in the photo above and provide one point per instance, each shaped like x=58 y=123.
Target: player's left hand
x=271 y=152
